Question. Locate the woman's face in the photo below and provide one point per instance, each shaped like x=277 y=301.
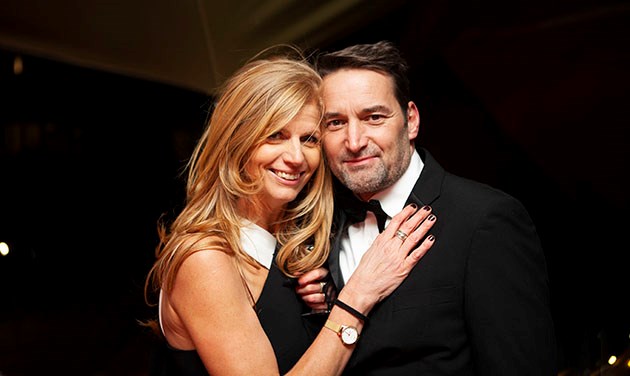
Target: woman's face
x=288 y=159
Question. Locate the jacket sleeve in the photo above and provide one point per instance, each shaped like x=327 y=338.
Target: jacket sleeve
x=507 y=307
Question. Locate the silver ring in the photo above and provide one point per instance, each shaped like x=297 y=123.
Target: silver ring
x=322 y=287
x=401 y=235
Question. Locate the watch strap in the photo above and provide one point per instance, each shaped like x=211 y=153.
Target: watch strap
x=333 y=326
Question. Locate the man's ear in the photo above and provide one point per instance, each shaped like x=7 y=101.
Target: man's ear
x=413 y=121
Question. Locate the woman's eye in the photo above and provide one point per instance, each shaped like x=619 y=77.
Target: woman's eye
x=275 y=136
x=310 y=139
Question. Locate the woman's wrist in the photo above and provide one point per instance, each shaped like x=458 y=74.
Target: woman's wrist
x=358 y=301
x=348 y=308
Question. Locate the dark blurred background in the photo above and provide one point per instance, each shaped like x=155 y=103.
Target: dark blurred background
x=102 y=102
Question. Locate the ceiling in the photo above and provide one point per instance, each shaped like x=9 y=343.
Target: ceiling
x=192 y=44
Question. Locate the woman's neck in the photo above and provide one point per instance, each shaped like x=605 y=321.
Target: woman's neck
x=260 y=214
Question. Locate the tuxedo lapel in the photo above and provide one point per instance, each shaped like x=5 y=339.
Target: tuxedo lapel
x=429 y=185
x=333 y=259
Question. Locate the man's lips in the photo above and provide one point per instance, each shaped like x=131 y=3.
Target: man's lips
x=359 y=160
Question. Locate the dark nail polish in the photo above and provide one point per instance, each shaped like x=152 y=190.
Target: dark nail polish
x=431 y=238
x=414 y=205
x=426 y=207
x=431 y=217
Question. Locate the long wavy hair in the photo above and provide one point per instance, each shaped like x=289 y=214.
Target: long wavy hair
x=256 y=102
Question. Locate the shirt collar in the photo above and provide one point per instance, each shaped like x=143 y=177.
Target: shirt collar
x=393 y=198
x=258 y=243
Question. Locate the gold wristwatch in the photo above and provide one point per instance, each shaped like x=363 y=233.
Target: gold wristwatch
x=348 y=334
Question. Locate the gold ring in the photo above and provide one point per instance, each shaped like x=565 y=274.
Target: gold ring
x=401 y=235
x=322 y=286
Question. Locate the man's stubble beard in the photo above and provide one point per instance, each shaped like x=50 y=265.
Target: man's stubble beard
x=365 y=180
x=372 y=180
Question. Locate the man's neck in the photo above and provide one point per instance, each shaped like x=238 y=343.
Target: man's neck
x=393 y=198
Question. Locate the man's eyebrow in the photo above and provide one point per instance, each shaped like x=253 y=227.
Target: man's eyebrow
x=376 y=108
x=328 y=115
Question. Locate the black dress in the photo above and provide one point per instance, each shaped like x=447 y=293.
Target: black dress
x=279 y=310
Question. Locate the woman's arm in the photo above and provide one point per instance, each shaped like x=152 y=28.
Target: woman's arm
x=381 y=270
x=209 y=298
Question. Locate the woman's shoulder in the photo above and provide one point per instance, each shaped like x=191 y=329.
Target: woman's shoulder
x=207 y=262
x=207 y=280
x=207 y=286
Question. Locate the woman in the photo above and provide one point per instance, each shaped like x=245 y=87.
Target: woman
x=259 y=209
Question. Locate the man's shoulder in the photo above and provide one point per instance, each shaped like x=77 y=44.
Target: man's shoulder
x=459 y=185
x=475 y=196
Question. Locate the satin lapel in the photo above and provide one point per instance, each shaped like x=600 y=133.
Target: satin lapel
x=429 y=185
x=340 y=225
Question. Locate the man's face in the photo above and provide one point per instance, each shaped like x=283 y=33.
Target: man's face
x=368 y=137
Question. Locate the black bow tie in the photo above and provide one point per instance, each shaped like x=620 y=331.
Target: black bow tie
x=356 y=210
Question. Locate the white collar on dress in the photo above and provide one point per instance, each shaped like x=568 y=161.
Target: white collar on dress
x=258 y=243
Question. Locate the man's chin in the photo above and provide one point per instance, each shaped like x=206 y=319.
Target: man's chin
x=358 y=186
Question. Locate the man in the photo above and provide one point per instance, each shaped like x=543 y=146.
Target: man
x=479 y=303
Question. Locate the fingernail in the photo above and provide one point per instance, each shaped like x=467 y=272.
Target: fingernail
x=414 y=205
x=431 y=217
x=431 y=238
x=426 y=207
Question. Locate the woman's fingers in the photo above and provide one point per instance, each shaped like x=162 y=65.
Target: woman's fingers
x=396 y=251
x=418 y=233
x=416 y=244
x=412 y=259
x=310 y=287
x=423 y=220
x=311 y=276
x=408 y=221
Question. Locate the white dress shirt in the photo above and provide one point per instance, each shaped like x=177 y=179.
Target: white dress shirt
x=356 y=241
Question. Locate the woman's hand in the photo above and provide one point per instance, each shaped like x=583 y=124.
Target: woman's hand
x=391 y=257
x=312 y=287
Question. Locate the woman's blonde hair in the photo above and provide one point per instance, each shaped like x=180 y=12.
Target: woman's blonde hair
x=256 y=102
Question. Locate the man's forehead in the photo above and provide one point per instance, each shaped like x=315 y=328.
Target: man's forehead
x=356 y=85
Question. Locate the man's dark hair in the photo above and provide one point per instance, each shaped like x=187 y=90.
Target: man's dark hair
x=382 y=56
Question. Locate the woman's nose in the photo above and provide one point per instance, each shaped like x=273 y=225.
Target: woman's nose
x=295 y=152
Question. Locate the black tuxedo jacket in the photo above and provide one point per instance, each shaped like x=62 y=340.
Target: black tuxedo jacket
x=476 y=304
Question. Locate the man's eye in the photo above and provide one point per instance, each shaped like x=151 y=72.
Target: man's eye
x=334 y=123
x=375 y=117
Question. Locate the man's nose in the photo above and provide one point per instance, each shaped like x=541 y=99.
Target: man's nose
x=356 y=139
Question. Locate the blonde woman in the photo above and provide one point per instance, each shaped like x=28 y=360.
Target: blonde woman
x=258 y=211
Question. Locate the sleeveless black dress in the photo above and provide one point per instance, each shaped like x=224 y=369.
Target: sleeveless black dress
x=279 y=311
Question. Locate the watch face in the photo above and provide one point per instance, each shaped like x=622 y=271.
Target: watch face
x=349 y=335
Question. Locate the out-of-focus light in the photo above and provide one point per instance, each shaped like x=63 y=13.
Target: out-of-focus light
x=18 y=65
x=4 y=249
x=628 y=364
x=612 y=360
